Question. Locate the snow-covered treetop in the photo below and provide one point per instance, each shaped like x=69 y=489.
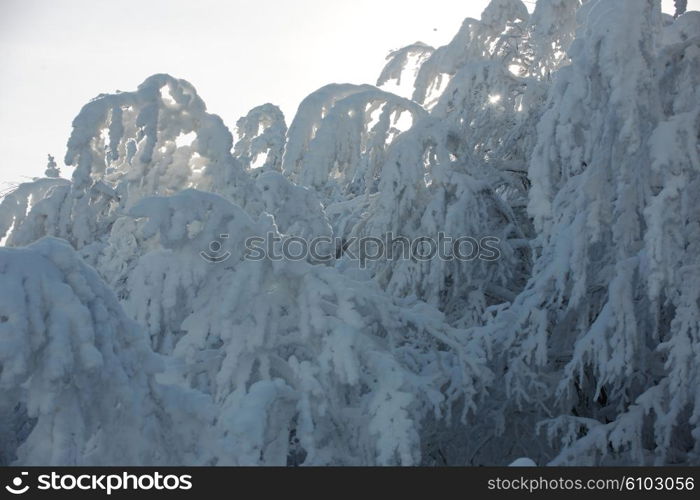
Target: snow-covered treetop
x=553 y=26
x=398 y=60
x=51 y=168
x=340 y=135
x=158 y=139
x=262 y=131
x=494 y=36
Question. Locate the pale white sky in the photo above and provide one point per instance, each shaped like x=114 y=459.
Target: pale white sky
x=57 y=55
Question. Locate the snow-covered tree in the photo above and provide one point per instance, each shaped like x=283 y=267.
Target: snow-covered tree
x=681 y=6
x=52 y=169
x=469 y=156
x=595 y=336
x=262 y=134
x=167 y=327
x=77 y=382
x=413 y=55
x=128 y=145
x=340 y=135
x=18 y=202
x=307 y=366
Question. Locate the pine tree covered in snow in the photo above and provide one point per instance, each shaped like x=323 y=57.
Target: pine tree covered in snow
x=138 y=327
x=78 y=376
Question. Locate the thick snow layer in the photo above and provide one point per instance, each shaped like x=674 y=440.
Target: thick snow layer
x=137 y=328
x=76 y=372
